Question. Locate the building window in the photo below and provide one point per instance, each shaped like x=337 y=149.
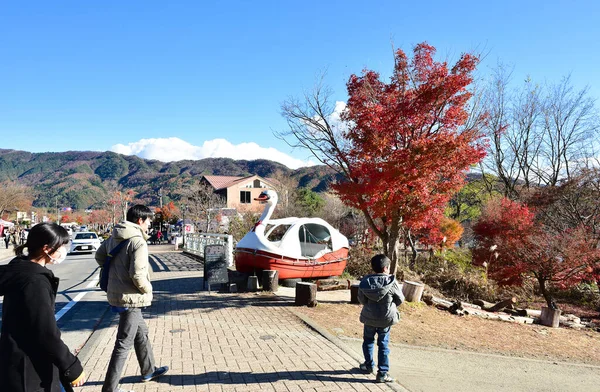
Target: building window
x=245 y=197
x=257 y=184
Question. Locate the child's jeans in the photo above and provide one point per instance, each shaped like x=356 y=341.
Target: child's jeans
x=383 y=338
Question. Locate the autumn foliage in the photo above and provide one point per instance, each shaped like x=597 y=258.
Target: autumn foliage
x=441 y=236
x=409 y=149
x=514 y=247
x=168 y=212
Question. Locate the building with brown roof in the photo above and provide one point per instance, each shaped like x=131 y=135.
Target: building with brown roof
x=239 y=192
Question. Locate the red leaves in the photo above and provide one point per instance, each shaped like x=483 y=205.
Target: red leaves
x=524 y=247
x=169 y=211
x=408 y=153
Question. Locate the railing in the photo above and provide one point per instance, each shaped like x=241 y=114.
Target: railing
x=195 y=243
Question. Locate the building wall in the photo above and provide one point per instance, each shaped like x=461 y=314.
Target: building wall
x=233 y=196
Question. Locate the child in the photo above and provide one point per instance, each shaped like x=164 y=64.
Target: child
x=381 y=295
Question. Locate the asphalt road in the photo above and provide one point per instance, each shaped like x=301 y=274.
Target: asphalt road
x=432 y=370
x=80 y=304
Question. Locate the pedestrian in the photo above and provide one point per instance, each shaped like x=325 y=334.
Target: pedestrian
x=129 y=291
x=6 y=238
x=381 y=295
x=159 y=236
x=32 y=355
x=24 y=234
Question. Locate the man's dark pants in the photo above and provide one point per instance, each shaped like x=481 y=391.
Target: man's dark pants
x=133 y=331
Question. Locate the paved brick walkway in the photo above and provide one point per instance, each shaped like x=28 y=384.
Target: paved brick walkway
x=224 y=342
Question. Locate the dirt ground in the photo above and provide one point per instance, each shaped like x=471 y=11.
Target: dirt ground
x=421 y=325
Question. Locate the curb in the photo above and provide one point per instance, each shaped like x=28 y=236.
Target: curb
x=396 y=386
x=105 y=320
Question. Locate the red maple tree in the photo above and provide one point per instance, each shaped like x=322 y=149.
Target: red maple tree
x=443 y=236
x=513 y=247
x=168 y=212
x=99 y=217
x=408 y=144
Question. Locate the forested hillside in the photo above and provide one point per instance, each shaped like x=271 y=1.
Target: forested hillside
x=82 y=179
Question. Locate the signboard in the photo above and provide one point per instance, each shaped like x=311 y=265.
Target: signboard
x=215 y=265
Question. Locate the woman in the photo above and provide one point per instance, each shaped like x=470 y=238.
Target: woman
x=32 y=355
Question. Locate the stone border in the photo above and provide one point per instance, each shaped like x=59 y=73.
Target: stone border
x=105 y=321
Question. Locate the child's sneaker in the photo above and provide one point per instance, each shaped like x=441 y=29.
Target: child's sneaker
x=384 y=377
x=366 y=369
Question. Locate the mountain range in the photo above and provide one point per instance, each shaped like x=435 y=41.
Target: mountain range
x=83 y=179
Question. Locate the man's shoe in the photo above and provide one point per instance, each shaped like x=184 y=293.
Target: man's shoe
x=366 y=369
x=384 y=377
x=157 y=373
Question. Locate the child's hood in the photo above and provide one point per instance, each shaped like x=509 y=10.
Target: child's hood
x=376 y=286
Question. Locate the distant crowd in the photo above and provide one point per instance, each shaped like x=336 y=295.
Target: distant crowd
x=15 y=235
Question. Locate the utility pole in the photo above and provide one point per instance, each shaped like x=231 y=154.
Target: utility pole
x=161 y=210
x=57 y=213
x=183 y=223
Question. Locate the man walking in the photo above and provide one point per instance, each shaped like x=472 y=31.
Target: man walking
x=129 y=290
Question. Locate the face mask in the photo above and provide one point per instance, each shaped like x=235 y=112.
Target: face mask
x=59 y=259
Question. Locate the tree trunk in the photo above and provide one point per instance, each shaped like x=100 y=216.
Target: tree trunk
x=354 y=294
x=550 y=317
x=306 y=294
x=412 y=291
x=413 y=247
x=487 y=306
x=270 y=280
x=546 y=294
x=391 y=247
x=252 y=284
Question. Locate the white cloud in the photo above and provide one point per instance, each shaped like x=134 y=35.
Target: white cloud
x=174 y=149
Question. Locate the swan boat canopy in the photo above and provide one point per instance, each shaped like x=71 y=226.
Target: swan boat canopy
x=295 y=247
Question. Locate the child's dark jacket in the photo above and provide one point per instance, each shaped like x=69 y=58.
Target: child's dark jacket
x=381 y=295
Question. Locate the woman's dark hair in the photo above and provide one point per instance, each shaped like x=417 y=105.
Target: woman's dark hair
x=139 y=211
x=42 y=234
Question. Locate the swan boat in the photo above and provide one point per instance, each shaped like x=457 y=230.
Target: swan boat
x=295 y=247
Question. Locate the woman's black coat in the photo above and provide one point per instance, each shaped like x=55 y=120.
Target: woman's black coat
x=32 y=355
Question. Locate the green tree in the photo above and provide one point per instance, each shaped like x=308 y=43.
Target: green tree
x=309 y=201
x=466 y=205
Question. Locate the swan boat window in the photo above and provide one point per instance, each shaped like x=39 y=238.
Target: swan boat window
x=276 y=232
x=313 y=239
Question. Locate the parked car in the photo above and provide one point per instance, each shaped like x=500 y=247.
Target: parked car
x=69 y=230
x=86 y=241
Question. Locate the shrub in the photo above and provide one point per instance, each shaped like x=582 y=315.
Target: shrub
x=462 y=286
x=359 y=260
x=239 y=226
x=585 y=294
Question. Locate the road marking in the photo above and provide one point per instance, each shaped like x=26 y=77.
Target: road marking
x=79 y=296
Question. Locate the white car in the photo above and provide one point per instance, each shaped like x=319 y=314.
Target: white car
x=85 y=241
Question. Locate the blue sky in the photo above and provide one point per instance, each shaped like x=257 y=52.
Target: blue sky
x=210 y=76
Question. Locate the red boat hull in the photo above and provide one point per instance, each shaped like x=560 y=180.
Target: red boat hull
x=252 y=261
